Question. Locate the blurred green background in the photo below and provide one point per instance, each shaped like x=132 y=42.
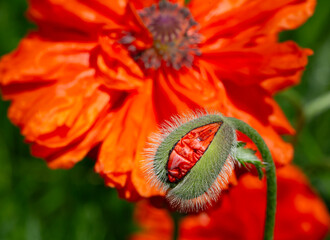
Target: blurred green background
x=39 y=203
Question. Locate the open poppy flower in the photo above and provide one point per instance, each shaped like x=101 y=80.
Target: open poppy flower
x=301 y=214
x=106 y=73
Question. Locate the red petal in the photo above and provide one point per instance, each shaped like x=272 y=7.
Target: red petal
x=67 y=156
x=38 y=60
x=122 y=151
x=278 y=65
x=186 y=89
x=81 y=17
x=54 y=116
x=116 y=66
x=223 y=19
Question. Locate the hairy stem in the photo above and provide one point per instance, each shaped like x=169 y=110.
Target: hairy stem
x=270 y=174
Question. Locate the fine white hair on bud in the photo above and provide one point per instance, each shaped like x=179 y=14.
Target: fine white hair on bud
x=191 y=159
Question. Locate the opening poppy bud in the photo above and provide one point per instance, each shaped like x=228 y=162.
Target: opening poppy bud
x=191 y=160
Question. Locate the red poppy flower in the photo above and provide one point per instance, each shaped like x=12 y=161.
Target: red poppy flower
x=105 y=73
x=301 y=214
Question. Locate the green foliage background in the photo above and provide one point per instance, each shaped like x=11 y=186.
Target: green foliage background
x=39 y=203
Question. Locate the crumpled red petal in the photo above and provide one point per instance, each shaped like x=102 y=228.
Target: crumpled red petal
x=82 y=17
x=275 y=65
x=75 y=151
x=120 y=154
x=39 y=60
x=57 y=112
x=226 y=19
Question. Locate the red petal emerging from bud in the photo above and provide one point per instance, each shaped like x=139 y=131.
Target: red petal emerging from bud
x=189 y=150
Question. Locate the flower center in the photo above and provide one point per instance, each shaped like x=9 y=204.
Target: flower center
x=175 y=37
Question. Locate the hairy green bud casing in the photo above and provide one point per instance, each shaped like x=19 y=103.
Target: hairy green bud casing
x=205 y=156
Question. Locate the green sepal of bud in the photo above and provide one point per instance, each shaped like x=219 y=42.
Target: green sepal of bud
x=247 y=156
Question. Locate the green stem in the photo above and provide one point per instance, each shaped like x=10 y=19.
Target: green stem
x=176 y=221
x=270 y=174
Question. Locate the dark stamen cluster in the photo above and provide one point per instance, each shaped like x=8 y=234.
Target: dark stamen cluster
x=174 y=33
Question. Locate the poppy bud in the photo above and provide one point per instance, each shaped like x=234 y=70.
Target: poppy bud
x=191 y=160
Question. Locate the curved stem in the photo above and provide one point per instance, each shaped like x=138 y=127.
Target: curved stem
x=270 y=174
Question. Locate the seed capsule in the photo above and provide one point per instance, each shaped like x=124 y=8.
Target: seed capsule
x=191 y=160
